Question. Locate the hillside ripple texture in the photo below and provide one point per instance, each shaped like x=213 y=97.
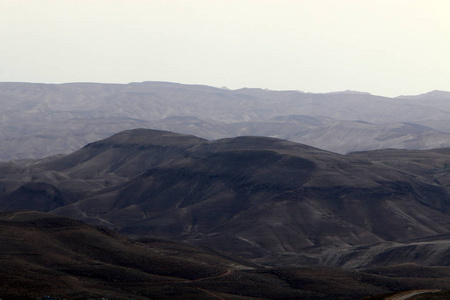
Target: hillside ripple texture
x=273 y=201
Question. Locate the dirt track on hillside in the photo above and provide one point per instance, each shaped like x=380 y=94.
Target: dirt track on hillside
x=409 y=294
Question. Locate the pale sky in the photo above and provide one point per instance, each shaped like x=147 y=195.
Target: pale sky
x=385 y=47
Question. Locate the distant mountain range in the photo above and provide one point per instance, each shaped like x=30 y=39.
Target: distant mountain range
x=38 y=120
x=272 y=201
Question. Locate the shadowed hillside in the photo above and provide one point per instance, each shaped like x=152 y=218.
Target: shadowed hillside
x=47 y=255
x=272 y=201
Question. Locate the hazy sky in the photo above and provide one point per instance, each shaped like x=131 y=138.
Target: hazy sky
x=385 y=47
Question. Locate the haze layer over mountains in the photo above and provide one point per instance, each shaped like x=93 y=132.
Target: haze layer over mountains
x=38 y=120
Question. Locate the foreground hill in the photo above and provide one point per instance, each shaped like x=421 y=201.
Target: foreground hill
x=38 y=120
x=47 y=255
x=272 y=201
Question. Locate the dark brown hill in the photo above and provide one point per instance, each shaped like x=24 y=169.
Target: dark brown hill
x=47 y=255
x=271 y=200
x=43 y=254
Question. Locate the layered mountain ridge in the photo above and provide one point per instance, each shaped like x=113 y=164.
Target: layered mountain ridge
x=273 y=201
x=39 y=120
